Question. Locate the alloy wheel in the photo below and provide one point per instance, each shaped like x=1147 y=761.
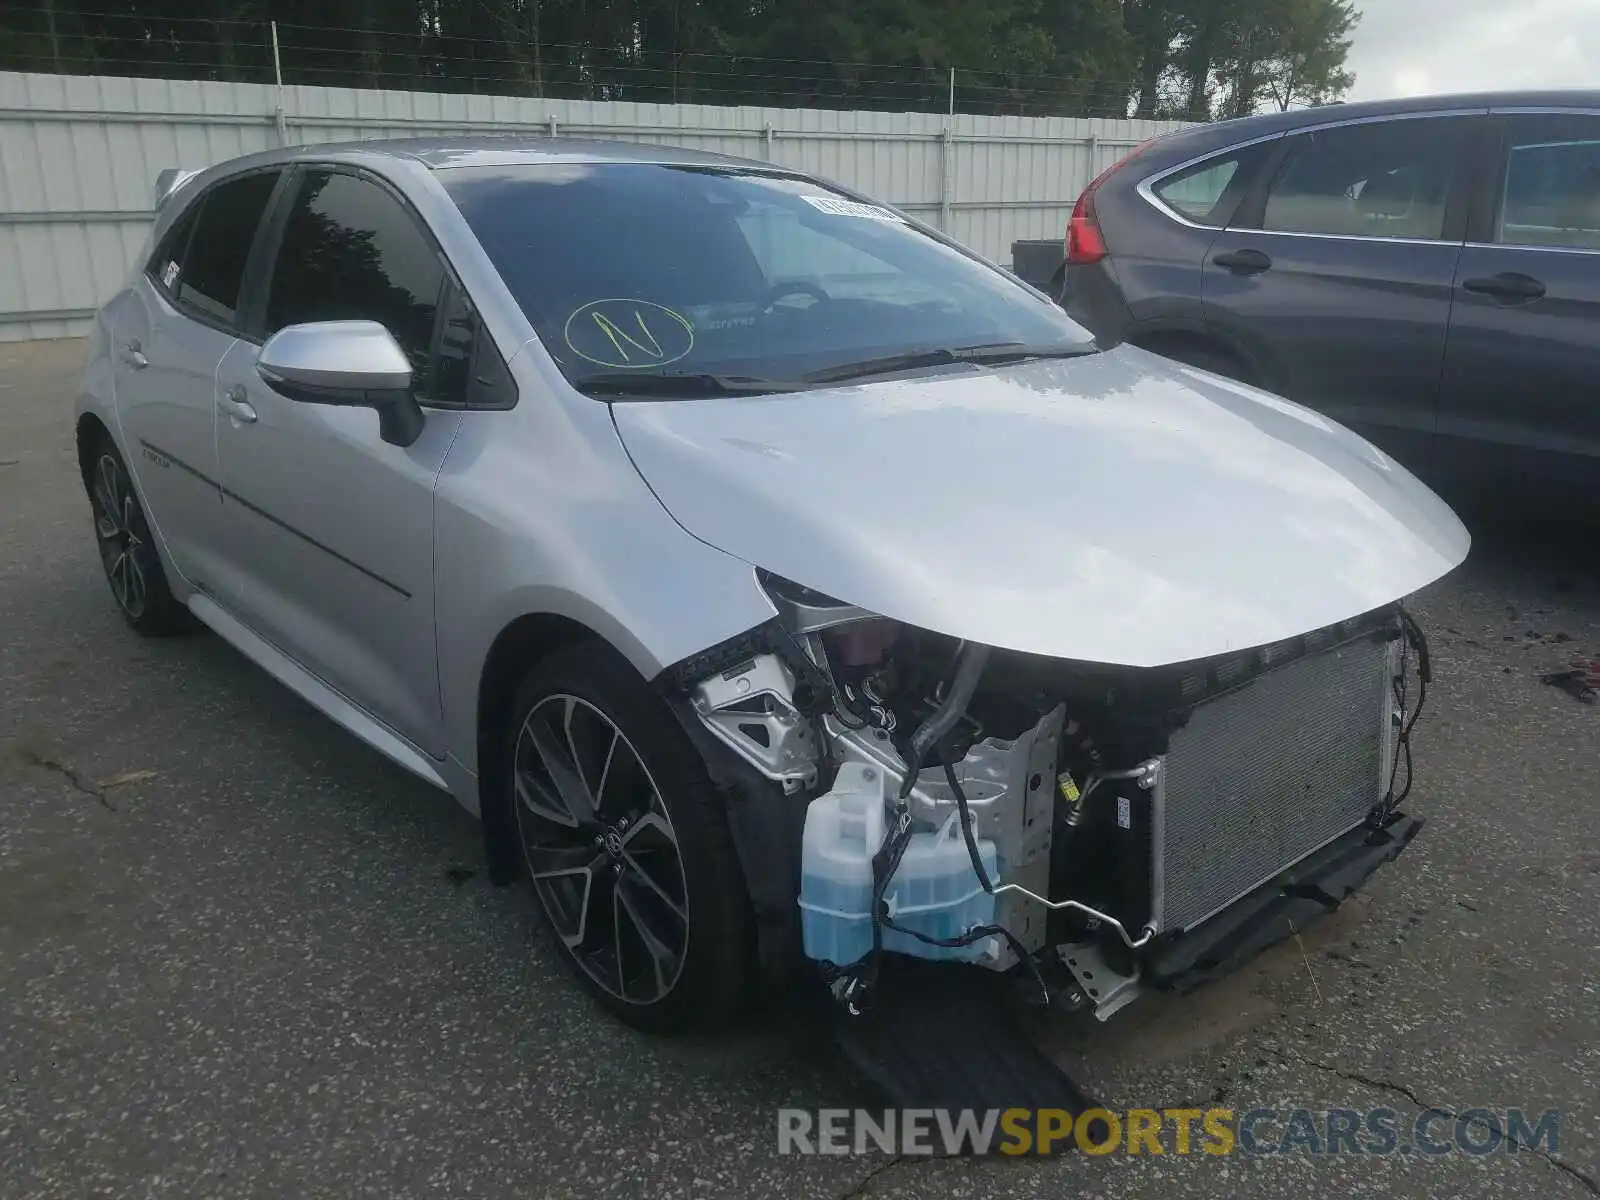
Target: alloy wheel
x=122 y=548
x=601 y=850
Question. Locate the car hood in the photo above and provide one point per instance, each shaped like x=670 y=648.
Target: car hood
x=1115 y=508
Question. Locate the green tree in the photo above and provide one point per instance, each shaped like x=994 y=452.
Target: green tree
x=1152 y=29
x=1195 y=58
x=1093 y=57
x=1235 y=56
x=1308 y=63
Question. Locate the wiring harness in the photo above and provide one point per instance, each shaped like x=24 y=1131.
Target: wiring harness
x=1414 y=643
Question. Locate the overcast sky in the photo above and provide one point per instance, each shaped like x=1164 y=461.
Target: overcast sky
x=1413 y=47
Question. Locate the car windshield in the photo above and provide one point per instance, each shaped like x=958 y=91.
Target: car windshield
x=652 y=279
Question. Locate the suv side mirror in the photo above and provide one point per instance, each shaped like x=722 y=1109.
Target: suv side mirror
x=350 y=363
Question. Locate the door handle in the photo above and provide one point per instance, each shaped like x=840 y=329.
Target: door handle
x=133 y=355
x=1508 y=285
x=1243 y=262
x=232 y=401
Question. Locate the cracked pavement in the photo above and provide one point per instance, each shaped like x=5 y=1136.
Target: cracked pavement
x=241 y=954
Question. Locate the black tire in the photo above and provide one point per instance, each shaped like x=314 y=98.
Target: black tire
x=1057 y=288
x=605 y=886
x=128 y=548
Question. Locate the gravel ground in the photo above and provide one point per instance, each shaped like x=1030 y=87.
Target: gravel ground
x=266 y=963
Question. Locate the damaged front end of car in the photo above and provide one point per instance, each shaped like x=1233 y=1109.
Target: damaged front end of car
x=1096 y=830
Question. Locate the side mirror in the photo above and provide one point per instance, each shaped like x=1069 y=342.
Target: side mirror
x=354 y=364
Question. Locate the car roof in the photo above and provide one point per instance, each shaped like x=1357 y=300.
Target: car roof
x=1218 y=134
x=444 y=152
x=1192 y=142
x=1466 y=101
x=510 y=149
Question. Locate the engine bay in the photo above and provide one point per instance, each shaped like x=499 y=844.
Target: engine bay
x=1016 y=812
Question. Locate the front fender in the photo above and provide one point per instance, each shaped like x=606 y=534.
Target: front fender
x=539 y=511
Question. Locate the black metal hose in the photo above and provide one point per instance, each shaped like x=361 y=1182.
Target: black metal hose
x=974 y=657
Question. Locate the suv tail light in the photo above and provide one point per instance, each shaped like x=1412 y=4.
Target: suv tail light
x=1085 y=244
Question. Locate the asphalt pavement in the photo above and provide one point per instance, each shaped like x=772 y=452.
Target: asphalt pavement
x=242 y=955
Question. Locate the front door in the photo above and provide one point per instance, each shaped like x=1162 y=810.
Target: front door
x=1521 y=396
x=1340 y=266
x=331 y=527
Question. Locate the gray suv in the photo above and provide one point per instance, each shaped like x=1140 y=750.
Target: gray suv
x=1426 y=271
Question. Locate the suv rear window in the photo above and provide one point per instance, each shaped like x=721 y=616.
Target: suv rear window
x=1552 y=193
x=1384 y=179
x=1209 y=192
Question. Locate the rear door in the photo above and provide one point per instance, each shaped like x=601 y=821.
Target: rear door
x=1159 y=261
x=1521 y=394
x=170 y=332
x=1337 y=271
x=330 y=546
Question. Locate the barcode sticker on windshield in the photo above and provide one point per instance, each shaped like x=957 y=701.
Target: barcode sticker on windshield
x=850 y=208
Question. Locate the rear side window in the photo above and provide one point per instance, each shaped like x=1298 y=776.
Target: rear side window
x=1209 y=192
x=352 y=252
x=1552 y=184
x=212 y=270
x=168 y=260
x=1389 y=179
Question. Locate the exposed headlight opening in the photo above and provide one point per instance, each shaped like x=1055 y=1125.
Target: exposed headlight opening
x=751 y=709
x=1010 y=810
x=804 y=610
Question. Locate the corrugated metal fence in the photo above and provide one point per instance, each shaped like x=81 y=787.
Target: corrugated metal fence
x=79 y=156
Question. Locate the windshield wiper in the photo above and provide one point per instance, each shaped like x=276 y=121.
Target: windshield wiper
x=684 y=384
x=691 y=384
x=989 y=353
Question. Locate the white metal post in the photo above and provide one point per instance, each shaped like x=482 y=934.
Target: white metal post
x=279 y=119
x=947 y=168
x=947 y=165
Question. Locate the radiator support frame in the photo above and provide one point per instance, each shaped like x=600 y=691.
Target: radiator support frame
x=1359 y=672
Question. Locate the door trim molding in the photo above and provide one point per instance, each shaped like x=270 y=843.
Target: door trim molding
x=227 y=495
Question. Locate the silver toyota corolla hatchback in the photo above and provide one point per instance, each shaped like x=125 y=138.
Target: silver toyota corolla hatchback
x=786 y=588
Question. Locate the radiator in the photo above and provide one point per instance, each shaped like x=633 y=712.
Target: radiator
x=1267 y=773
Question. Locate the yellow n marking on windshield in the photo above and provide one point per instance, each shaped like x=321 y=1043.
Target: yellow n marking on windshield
x=649 y=347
